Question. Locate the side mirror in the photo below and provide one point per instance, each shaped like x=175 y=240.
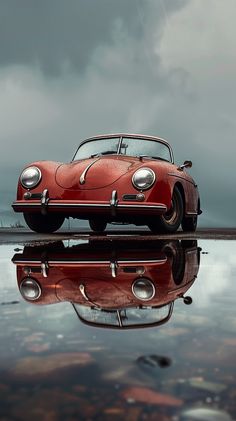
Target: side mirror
x=186 y=164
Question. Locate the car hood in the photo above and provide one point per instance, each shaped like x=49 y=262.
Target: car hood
x=99 y=292
x=95 y=172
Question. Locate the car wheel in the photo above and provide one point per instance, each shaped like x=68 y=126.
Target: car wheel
x=43 y=223
x=175 y=252
x=189 y=223
x=97 y=225
x=171 y=220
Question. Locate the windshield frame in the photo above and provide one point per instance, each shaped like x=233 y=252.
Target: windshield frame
x=121 y=136
x=170 y=305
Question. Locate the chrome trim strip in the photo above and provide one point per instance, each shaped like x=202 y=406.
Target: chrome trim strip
x=83 y=205
x=108 y=262
x=16 y=204
x=83 y=175
x=159 y=207
x=98 y=205
x=50 y=262
x=192 y=213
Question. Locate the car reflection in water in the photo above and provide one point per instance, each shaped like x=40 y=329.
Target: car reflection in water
x=117 y=285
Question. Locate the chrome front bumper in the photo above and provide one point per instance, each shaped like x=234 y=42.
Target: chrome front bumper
x=112 y=207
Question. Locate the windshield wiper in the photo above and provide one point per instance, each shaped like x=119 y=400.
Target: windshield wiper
x=103 y=153
x=152 y=157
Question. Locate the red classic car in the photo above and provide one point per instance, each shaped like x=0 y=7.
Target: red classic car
x=112 y=178
x=121 y=286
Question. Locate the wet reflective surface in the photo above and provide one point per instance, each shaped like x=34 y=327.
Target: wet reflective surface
x=111 y=330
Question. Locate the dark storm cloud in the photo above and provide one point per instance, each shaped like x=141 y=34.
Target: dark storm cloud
x=55 y=34
x=58 y=35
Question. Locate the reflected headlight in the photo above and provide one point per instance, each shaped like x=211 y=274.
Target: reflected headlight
x=143 y=289
x=30 y=177
x=30 y=289
x=143 y=179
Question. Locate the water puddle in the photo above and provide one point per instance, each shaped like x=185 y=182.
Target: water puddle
x=116 y=330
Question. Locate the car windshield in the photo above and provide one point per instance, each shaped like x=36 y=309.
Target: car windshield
x=130 y=146
x=124 y=317
x=97 y=147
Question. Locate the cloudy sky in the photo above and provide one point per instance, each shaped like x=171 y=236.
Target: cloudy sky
x=72 y=69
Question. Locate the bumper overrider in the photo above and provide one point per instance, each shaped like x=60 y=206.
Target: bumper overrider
x=42 y=203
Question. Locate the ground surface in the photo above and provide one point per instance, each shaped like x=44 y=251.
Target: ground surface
x=23 y=235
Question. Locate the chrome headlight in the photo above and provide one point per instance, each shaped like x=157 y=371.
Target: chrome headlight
x=143 y=289
x=143 y=178
x=30 y=289
x=30 y=177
